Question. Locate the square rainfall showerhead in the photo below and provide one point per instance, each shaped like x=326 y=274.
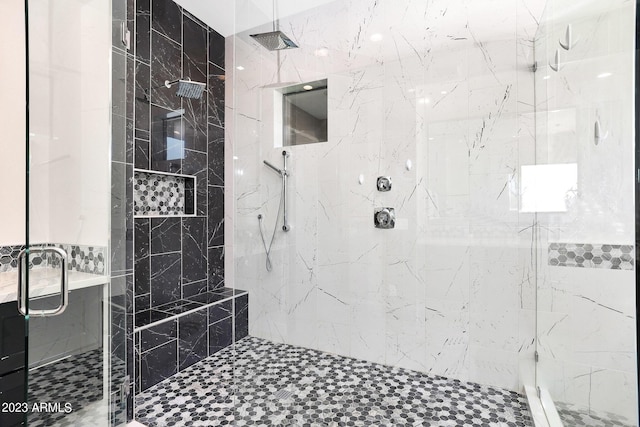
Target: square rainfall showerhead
x=275 y=40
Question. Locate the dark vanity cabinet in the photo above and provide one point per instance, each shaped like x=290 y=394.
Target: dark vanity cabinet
x=12 y=373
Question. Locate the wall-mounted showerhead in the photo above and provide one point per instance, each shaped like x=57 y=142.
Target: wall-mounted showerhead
x=274 y=40
x=186 y=88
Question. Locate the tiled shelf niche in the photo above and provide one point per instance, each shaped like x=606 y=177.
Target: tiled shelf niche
x=163 y=194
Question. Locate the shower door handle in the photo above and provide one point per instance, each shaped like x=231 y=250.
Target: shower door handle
x=22 y=282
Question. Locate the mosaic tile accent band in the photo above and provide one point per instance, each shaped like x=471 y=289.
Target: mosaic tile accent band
x=85 y=259
x=157 y=194
x=9 y=258
x=587 y=255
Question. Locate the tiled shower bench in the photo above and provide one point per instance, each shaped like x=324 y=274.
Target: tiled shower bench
x=174 y=336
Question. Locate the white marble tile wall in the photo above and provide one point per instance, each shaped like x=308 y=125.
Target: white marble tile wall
x=449 y=87
x=586 y=317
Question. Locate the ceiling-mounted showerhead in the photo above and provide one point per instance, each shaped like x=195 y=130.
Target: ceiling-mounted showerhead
x=274 y=40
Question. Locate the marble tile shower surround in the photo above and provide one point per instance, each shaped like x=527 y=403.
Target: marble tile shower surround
x=587 y=316
x=449 y=291
x=168 y=258
x=86 y=259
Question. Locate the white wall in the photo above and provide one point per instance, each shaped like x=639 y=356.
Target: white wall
x=12 y=120
x=69 y=122
x=451 y=290
x=586 y=322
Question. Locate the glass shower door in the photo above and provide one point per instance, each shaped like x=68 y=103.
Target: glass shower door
x=65 y=291
x=586 y=313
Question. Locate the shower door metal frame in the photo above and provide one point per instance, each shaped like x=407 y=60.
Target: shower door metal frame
x=637 y=191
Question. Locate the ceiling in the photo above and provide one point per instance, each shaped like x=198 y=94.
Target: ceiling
x=237 y=16
x=220 y=14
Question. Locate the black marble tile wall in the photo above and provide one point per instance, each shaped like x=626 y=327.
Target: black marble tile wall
x=165 y=235
x=194 y=250
x=155 y=336
x=166 y=64
x=216 y=268
x=166 y=271
x=216 y=216
x=173 y=259
x=158 y=364
x=216 y=153
x=121 y=219
x=167 y=19
x=156 y=350
x=216 y=49
x=183 y=256
x=216 y=95
x=220 y=311
x=194 y=288
x=142 y=238
x=142 y=105
x=193 y=340
x=220 y=335
x=143 y=30
x=241 y=316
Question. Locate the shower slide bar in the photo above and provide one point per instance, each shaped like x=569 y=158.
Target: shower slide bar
x=284 y=174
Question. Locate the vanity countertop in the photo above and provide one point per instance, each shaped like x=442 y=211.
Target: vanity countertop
x=45 y=281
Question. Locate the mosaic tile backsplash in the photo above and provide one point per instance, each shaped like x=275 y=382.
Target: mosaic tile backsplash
x=587 y=255
x=85 y=259
x=156 y=194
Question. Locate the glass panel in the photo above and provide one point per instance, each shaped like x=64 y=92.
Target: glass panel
x=434 y=102
x=585 y=202
x=69 y=79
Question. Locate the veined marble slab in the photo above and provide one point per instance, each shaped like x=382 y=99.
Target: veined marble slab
x=44 y=282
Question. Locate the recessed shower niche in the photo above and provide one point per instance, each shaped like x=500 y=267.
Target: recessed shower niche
x=304 y=113
x=163 y=194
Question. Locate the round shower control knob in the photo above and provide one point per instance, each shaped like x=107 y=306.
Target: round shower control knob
x=384 y=218
x=384 y=183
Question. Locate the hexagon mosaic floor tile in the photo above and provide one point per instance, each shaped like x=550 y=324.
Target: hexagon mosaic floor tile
x=574 y=416
x=272 y=384
x=76 y=380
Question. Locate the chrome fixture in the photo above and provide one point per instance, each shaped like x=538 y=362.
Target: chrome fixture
x=384 y=183
x=187 y=88
x=284 y=174
x=125 y=36
x=22 y=282
x=276 y=39
x=384 y=218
